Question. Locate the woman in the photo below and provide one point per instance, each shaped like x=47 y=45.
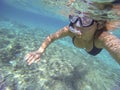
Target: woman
x=86 y=33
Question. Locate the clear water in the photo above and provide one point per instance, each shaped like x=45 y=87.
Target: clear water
x=23 y=26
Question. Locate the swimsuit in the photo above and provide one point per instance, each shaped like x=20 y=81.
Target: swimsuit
x=94 y=50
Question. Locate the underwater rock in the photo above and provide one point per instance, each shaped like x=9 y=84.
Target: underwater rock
x=10 y=36
x=13 y=63
x=2 y=87
x=116 y=88
x=16 y=49
x=59 y=86
x=6 y=55
x=2 y=83
x=4 y=31
x=20 y=26
x=4 y=43
x=71 y=81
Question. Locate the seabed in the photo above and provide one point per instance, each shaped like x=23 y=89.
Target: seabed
x=61 y=67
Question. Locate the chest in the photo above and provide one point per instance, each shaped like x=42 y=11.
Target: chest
x=81 y=43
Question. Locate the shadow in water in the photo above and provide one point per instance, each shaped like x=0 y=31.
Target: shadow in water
x=74 y=80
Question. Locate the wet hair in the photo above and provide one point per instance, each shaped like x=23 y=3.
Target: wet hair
x=116 y=2
x=107 y=5
x=114 y=5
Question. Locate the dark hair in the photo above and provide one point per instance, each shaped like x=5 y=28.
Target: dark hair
x=107 y=5
x=116 y=2
x=110 y=5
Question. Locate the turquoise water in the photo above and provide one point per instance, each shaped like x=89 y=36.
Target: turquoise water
x=62 y=67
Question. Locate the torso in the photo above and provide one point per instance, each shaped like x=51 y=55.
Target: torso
x=86 y=44
x=81 y=43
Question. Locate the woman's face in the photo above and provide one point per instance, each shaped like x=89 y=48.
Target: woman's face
x=86 y=30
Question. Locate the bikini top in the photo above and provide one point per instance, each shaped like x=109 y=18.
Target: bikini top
x=94 y=50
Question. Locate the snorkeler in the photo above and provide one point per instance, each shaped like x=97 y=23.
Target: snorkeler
x=90 y=34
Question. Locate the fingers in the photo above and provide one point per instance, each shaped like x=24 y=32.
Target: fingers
x=27 y=57
x=31 y=61
x=30 y=58
x=37 y=60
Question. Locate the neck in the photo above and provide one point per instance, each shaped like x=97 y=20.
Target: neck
x=88 y=36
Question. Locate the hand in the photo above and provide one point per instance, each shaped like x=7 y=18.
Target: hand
x=33 y=57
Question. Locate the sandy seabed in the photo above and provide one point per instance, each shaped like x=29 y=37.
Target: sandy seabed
x=61 y=67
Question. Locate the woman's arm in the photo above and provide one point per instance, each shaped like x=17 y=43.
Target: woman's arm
x=35 y=56
x=59 y=34
x=112 y=44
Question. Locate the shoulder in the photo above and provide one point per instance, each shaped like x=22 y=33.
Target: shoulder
x=105 y=36
x=107 y=39
x=112 y=44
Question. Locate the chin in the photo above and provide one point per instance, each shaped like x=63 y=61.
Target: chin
x=78 y=36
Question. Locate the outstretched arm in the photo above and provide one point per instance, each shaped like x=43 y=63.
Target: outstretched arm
x=112 y=44
x=35 y=56
x=59 y=34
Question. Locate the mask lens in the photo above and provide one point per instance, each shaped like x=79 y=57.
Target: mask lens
x=73 y=19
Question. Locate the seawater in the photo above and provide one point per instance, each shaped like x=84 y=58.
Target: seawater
x=62 y=66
